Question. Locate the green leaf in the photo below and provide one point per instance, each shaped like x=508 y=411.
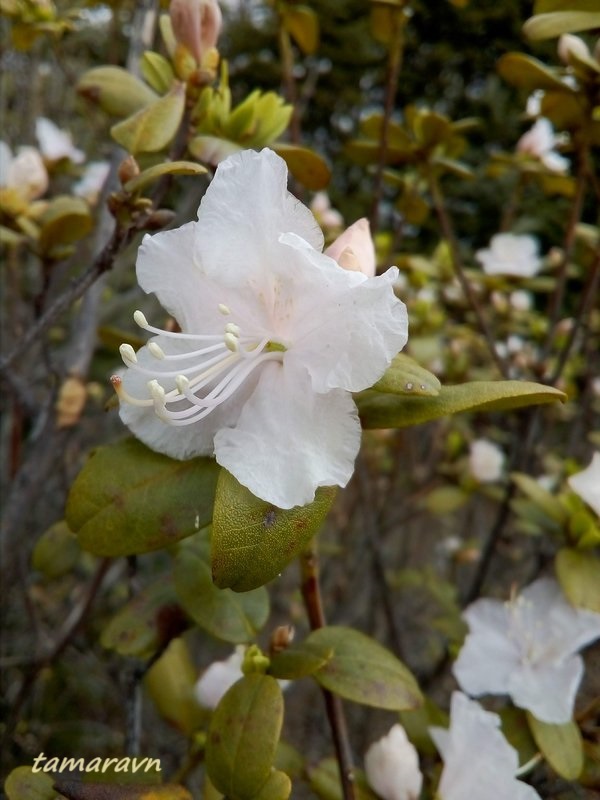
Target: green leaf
x=362 y=670
x=561 y=746
x=549 y=504
x=227 y=615
x=56 y=551
x=252 y=540
x=243 y=736
x=129 y=500
x=546 y=26
x=378 y=410
x=65 y=220
x=405 y=376
x=306 y=166
x=164 y=168
x=302 y=24
x=529 y=73
x=157 y=71
x=277 y=787
x=23 y=784
x=299 y=661
x=153 y=127
x=212 y=149
x=115 y=90
x=78 y=790
x=146 y=623
x=325 y=782
x=578 y=573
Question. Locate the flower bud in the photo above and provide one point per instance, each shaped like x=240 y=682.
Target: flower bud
x=128 y=169
x=486 y=461
x=354 y=249
x=569 y=45
x=196 y=24
x=392 y=767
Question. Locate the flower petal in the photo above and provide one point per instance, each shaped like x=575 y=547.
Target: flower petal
x=587 y=483
x=288 y=440
x=244 y=211
x=548 y=690
x=488 y=657
x=354 y=248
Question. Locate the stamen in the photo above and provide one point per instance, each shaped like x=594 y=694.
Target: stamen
x=140 y=319
x=231 y=342
x=156 y=351
x=125 y=397
x=231 y=327
x=224 y=309
x=128 y=354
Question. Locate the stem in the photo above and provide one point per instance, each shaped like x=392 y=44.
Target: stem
x=289 y=82
x=311 y=593
x=449 y=235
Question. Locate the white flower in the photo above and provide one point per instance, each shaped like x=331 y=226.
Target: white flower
x=326 y=216
x=354 y=249
x=91 y=182
x=511 y=254
x=486 y=461
x=218 y=678
x=478 y=761
x=587 y=483
x=55 y=143
x=25 y=172
x=275 y=336
x=540 y=141
x=392 y=767
x=534 y=103
x=521 y=300
x=526 y=648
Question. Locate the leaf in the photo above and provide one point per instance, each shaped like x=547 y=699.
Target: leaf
x=252 y=540
x=578 y=573
x=56 y=551
x=277 y=787
x=325 y=782
x=129 y=500
x=164 y=168
x=65 y=220
x=405 y=376
x=153 y=127
x=306 y=166
x=549 y=504
x=302 y=24
x=561 y=746
x=76 y=790
x=243 y=735
x=362 y=670
x=529 y=73
x=226 y=615
x=115 y=90
x=157 y=71
x=546 y=26
x=146 y=623
x=378 y=410
x=212 y=149
x=24 y=784
x=300 y=661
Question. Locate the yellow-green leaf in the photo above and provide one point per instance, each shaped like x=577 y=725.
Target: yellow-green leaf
x=530 y=73
x=56 y=551
x=24 y=784
x=157 y=71
x=65 y=220
x=170 y=682
x=277 y=787
x=561 y=746
x=128 y=499
x=578 y=572
x=153 y=127
x=299 y=661
x=115 y=90
x=252 y=540
x=212 y=149
x=405 y=376
x=546 y=26
x=243 y=736
x=164 y=168
x=379 y=410
x=302 y=24
x=306 y=166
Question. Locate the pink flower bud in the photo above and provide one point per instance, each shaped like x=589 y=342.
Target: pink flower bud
x=569 y=45
x=196 y=24
x=354 y=249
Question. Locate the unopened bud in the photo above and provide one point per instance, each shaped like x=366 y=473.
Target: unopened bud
x=70 y=402
x=569 y=46
x=281 y=638
x=159 y=219
x=196 y=25
x=128 y=169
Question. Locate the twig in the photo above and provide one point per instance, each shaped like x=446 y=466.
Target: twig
x=289 y=83
x=311 y=593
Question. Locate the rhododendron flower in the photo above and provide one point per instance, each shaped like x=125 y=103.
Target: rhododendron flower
x=219 y=677
x=91 y=182
x=486 y=461
x=526 y=648
x=327 y=216
x=511 y=254
x=478 y=761
x=25 y=172
x=354 y=248
x=275 y=336
x=196 y=24
x=540 y=141
x=55 y=143
x=587 y=483
x=392 y=767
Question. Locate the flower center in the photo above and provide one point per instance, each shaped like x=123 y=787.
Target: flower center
x=204 y=377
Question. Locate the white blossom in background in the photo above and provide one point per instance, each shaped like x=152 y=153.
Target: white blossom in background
x=587 y=483
x=539 y=142
x=486 y=461
x=521 y=300
x=511 y=254
x=392 y=767
x=91 y=182
x=274 y=338
x=479 y=764
x=354 y=249
x=56 y=143
x=327 y=216
x=218 y=678
x=24 y=172
x=533 y=106
x=527 y=648
x=570 y=45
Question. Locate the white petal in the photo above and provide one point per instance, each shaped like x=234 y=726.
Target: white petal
x=346 y=328
x=587 y=483
x=354 y=248
x=56 y=143
x=555 y=162
x=288 y=440
x=218 y=678
x=548 y=690
x=5 y=162
x=245 y=209
x=27 y=173
x=392 y=767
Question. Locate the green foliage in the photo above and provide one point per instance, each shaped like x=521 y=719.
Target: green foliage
x=115 y=90
x=23 y=784
x=561 y=746
x=153 y=127
x=325 y=782
x=579 y=576
x=56 y=551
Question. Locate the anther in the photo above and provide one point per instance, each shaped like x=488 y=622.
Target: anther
x=224 y=309
x=128 y=354
x=182 y=383
x=231 y=342
x=231 y=327
x=157 y=391
x=156 y=350
x=116 y=381
x=140 y=319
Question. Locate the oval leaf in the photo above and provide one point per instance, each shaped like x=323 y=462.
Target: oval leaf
x=129 y=500
x=325 y=782
x=66 y=220
x=277 y=787
x=23 y=784
x=252 y=540
x=56 y=551
x=529 y=73
x=362 y=670
x=561 y=746
x=77 y=790
x=405 y=376
x=578 y=573
x=546 y=26
x=157 y=71
x=115 y=90
x=300 y=661
x=227 y=615
x=379 y=410
x=165 y=168
x=243 y=736
x=302 y=24
x=154 y=126
x=306 y=166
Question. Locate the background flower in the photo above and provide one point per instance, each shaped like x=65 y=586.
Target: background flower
x=587 y=483
x=509 y=254
x=392 y=766
x=486 y=461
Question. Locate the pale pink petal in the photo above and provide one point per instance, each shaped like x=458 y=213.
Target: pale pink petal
x=354 y=248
